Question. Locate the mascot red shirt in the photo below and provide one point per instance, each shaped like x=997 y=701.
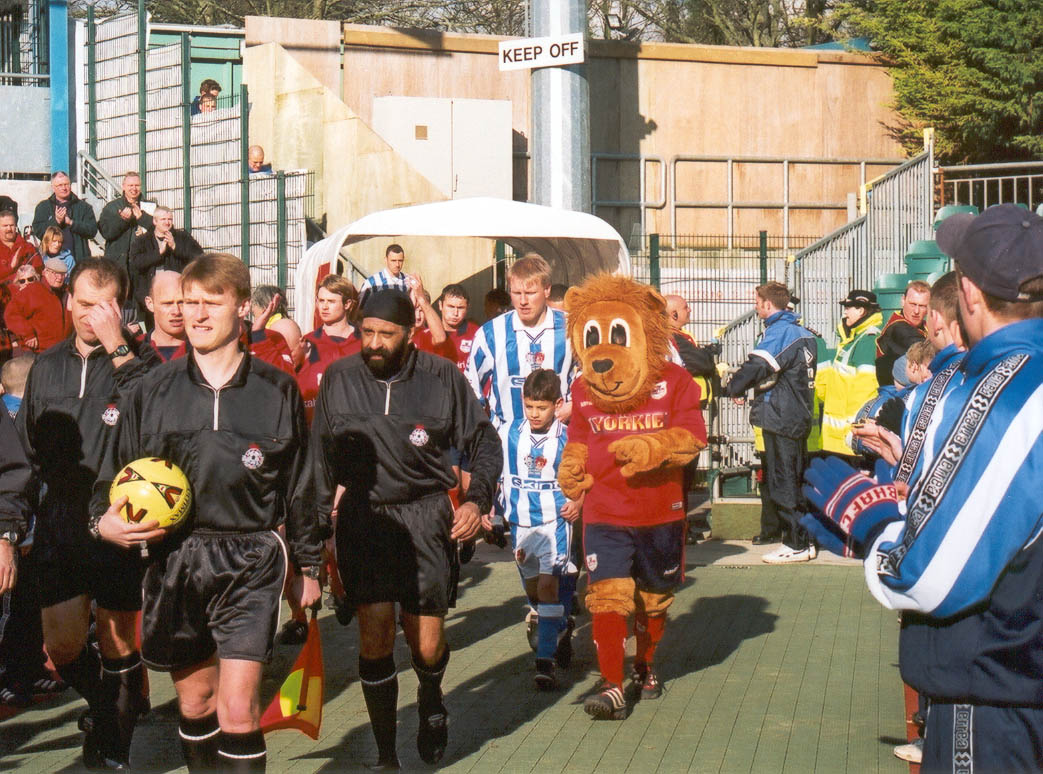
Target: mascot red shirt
x=640 y=500
x=635 y=424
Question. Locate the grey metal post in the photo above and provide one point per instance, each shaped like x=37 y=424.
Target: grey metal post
x=142 y=99
x=280 y=227
x=186 y=132
x=560 y=114
x=92 y=102
x=244 y=172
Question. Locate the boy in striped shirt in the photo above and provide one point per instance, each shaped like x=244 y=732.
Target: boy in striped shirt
x=539 y=515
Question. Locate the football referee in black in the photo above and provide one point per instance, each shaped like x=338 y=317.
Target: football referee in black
x=235 y=425
x=72 y=403
x=384 y=422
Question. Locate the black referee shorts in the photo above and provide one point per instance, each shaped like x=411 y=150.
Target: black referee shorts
x=106 y=573
x=216 y=591
x=399 y=553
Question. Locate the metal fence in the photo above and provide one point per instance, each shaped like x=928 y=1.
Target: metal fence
x=984 y=185
x=717 y=281
x=24 y=55
x=193 y=162
x=899 y=210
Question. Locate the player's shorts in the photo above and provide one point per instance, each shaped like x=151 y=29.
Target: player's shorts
x=544 y=549
x=106 y=573
x=399 y=553
x=216 y=591
x=982 y=738
x=653 y=556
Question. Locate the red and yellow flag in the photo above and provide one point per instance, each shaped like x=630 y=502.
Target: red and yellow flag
x=298 y=704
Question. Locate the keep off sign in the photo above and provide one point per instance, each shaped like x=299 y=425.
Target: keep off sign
x=541 y=52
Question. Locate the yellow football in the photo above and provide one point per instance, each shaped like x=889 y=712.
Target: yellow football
x=156 y=490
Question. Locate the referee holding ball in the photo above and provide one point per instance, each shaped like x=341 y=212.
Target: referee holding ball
x=236 y=427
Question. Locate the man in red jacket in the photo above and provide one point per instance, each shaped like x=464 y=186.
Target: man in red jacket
x=15 y=251
x=36 y=314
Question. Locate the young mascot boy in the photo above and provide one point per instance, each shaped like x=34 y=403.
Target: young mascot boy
x=539 y=514
x=235 y=426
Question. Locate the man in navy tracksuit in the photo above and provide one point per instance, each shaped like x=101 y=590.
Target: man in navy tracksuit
x=781 y=371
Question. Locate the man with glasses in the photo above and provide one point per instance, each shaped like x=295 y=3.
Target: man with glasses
x=37 y=313
x=67 y=211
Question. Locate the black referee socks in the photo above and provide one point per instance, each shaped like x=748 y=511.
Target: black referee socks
x=241 y=753
x=433 y=732
x=199 y=737
x=380 y=689
x=83 y=674
x=120 y=702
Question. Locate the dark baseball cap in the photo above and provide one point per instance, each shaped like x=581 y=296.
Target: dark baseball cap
x=863 y=298
x=998 y=250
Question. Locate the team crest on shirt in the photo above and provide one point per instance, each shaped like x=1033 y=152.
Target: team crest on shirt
x=534 y=359
x=592 y=562
x=252 y=457
x=465 y=345
x=659 y=391
x=535 y=464
x=111 y=415
x=419 y=436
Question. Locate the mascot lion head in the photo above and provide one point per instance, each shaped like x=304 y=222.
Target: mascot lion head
x=620 y=334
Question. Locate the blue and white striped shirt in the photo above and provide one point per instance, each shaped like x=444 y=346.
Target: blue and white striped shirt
x=383 y=280
x=975 y=503
x=505 y=351
x=529 y=484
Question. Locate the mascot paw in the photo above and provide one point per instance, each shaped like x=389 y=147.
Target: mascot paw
x=638 y=454
x=574 y=479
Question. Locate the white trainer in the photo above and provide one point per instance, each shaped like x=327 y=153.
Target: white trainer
x=786 y=555
x=912 y=752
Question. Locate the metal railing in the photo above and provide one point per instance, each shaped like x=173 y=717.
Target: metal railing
x=93 y=179
x=983 y=185
x=898 y=211
x=786 y=204
x=641 y=203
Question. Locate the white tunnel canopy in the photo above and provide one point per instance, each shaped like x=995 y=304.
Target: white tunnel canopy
x=575 y=243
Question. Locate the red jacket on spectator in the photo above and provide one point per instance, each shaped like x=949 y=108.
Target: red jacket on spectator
x=325 y=349
x=36 y=311
x=422 y=341
x=26 y=254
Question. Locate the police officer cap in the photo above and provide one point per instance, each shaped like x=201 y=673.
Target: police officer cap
x=390 y=305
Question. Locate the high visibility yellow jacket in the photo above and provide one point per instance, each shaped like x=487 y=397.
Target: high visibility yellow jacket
x=847 y=382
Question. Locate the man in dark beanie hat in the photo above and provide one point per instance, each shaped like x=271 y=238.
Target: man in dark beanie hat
x=848 y=381
x=384 y=421
x=964 y=561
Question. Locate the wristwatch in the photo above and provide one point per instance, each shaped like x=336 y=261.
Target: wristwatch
x=310 y=572
x=10 y=537
x=121 y=351
x=92 y=526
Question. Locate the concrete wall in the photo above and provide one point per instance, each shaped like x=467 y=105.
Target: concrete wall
x=28 y=150
x=655 y=99
x=306 y=126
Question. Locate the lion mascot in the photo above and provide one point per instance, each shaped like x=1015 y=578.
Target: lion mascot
x=635 y=424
